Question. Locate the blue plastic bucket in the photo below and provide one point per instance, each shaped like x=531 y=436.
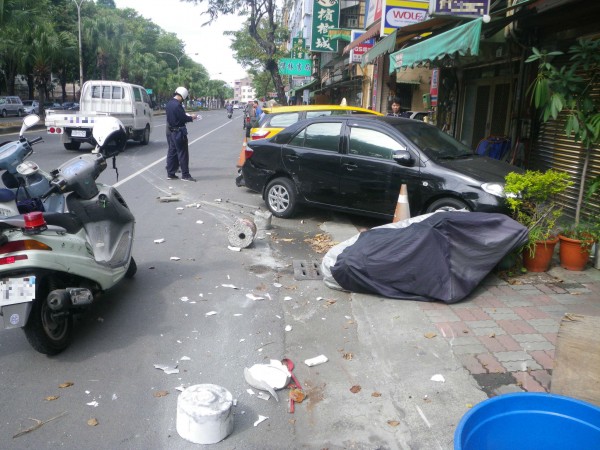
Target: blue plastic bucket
x=531 y=421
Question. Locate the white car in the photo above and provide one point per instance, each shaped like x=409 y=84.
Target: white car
x=236 y=106
x=31 y=106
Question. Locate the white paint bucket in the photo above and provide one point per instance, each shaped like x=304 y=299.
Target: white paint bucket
x=204 y=414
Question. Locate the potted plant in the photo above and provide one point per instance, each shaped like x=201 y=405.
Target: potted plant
x=577 y=240
x=531 y=197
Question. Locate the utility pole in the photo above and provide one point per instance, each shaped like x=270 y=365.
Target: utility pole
x=80 y=52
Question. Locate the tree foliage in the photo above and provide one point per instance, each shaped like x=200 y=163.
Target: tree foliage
x=262 y=26
x=39 y=42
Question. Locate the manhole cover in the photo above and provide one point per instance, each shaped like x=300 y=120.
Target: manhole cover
x=307 y=270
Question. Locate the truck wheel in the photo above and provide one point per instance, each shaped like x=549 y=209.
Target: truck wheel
x=145 y=140
x=47 y=331
x=72 y=145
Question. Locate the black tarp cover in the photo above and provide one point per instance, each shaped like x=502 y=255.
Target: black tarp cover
x=443 y=257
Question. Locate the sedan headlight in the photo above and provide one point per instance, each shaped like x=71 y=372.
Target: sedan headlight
x=496 y=189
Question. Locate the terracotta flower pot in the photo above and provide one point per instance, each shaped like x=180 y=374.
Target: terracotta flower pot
x=541 y=258
x=574 y=253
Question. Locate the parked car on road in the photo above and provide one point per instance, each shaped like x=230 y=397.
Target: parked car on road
x=31 y=106
x=277 y=118
x=357 y=164
x=11 y=105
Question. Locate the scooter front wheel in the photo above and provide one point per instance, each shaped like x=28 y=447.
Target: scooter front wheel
x=47 y=331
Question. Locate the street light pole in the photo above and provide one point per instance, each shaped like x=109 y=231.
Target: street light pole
x=167 y=53
x=80 y=52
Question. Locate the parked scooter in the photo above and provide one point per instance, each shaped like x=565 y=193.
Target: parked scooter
x=55 y=264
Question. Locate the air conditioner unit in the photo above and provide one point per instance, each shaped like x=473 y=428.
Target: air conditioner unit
x=352 y=22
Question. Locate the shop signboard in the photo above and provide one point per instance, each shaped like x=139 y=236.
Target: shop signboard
x=400 y=13
x=374 y=8
x=299 y=50
x=462 y=8
x=326 y=15
x=294 y=66
x=357 y=52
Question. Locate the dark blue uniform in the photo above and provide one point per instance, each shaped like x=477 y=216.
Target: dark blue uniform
x=178 y=154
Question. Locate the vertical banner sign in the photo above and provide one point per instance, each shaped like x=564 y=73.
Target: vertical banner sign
x=299 y=50
x=433 y=90
x=400 y=13
x=357 y=52
x=326 y=15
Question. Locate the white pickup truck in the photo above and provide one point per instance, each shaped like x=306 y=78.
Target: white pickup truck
x=129 y=103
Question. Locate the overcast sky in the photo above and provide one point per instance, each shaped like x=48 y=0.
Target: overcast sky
x=184 y=19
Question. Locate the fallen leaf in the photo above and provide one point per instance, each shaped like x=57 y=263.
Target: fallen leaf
x=355 y=389
x=348 y=356
x=291 y=421
x=297 y=395
x=492 y=335
x=92 y=422
x=430 y=335
x=331 y=302
x=66 y=384
x=159 y=394
x=466 y=331
x=376 y=394
x=393 y=423
x=51 y=398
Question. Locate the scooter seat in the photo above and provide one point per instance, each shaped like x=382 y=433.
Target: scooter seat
x=68 y=221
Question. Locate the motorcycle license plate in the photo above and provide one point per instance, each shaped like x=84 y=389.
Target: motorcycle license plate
x=17 y=290
x=78 y=133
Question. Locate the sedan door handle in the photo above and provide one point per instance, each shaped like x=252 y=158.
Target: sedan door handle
x=292 y=157
x=350 y=167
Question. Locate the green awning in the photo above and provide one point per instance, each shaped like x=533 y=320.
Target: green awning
x=386 y=45
x=461 y=40
x=304 y=86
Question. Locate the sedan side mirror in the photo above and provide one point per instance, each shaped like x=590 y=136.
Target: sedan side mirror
x=403 y=157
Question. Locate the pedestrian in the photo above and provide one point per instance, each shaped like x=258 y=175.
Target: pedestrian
x=229 y=110
x=395 y=109
x=257 y=110
x=178 y=153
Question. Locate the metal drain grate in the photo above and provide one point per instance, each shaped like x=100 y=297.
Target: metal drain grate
x=307 y=270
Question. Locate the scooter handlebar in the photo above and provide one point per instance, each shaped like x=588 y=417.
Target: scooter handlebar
x=49 y=192
x=36 y=140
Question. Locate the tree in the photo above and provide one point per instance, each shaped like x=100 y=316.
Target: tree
x=563 y=89
x=262 y=27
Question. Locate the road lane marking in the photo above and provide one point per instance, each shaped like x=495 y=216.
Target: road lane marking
x=144 y=169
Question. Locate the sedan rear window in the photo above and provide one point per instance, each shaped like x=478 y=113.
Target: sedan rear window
x=284 y=120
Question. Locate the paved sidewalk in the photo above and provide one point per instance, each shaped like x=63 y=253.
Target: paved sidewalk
x=505 y=332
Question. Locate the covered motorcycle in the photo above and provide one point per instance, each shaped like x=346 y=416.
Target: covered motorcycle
x=442 y=256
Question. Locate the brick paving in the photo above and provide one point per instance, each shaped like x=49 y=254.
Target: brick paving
x=505 y=332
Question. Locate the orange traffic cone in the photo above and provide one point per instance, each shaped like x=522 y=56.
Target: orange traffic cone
x=242 y=158
x=402 y=208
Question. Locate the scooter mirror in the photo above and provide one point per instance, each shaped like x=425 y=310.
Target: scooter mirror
x=28 y=122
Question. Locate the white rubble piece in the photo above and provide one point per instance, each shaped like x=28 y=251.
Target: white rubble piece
x=242 y=233
x=268 y=377
x=262 y=219
x=204 y=414
x=316 y=360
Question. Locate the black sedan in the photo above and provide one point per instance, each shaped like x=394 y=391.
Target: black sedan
x=357 y=164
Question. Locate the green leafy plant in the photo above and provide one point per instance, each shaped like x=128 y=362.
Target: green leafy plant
x=531 y=197
x=587 y=232
x=558 y=90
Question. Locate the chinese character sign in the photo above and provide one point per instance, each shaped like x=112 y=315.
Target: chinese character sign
x=291 y=66
x=299 y=49
x=463 y=8
x=357 y=52
x=326 y=15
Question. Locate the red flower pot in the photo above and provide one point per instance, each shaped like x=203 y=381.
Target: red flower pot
x=541 y=258
x=574 y=253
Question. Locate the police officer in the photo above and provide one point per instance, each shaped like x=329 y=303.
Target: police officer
x=178 y=154
x=395 y=109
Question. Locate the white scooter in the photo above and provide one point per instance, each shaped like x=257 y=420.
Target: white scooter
x=55 y=264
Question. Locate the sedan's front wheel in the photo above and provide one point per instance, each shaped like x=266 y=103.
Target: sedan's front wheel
x=281 y=198
x=447 y=204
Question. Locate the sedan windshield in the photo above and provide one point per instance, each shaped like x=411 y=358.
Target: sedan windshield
x=433 y=141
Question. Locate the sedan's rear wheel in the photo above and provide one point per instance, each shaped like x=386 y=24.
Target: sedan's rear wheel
x=281 y=197
x=447 y=204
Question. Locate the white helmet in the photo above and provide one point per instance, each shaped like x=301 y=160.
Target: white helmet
x=182 y=91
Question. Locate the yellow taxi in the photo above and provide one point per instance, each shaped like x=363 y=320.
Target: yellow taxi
x=277 y=118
